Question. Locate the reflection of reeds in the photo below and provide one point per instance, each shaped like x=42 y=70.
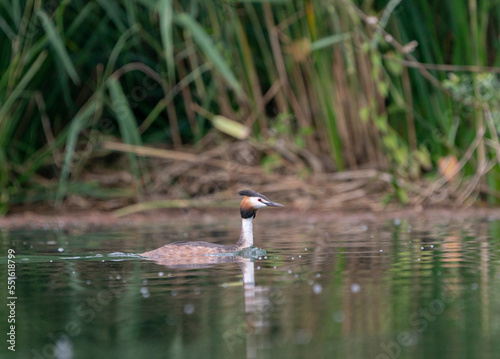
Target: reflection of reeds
x=452 y=251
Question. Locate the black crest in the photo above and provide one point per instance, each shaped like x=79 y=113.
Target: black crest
x=250 y=193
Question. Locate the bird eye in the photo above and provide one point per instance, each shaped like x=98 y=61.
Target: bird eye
x=259 y=200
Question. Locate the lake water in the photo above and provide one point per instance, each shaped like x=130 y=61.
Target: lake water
x=403 y=288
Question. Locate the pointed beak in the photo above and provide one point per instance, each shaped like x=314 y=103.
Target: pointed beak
x=273 y=204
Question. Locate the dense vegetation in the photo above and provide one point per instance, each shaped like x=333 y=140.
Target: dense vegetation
x=394 y=85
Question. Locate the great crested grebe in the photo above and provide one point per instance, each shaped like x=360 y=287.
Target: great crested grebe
x=251 y=202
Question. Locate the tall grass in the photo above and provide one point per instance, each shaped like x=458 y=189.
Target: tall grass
x=74 y=72
x=464 y=34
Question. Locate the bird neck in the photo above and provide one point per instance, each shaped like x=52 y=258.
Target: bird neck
x=246 y=236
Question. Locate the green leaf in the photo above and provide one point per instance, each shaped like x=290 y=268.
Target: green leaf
x=328 y=41
x=364 y=114
x=269 y=163
x=120 y=44
x=32 y=71
x=113 y=11
x=394 y=66
x=208 y=47
x=128 y=126
x=402 y=195
x=166 y=17
x=58 y=45
x=306 y=130
x=299 y=142
x=78 y=123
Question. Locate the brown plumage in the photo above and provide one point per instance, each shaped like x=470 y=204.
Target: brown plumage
x=189 y=249
x=246 y=203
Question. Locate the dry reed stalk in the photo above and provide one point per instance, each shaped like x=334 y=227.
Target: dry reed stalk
x=223 y=98
x=304 y=103
x=443 y=67
x=201 y=92
x=340 y=199
x=254 y=85
x=273 y=92
x=366 y=132
x=410 y=118
x=442 y=180
x=493 y=132
x=280 y=63
x=317 y=113
x=174 y=124
x=341 y=99
x=180 y=156
x=475 y=184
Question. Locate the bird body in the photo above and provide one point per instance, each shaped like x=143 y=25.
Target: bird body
x=251 y=202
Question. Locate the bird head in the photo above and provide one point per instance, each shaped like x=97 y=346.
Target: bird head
x=252 y=201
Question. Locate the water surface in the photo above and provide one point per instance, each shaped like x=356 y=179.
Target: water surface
x=404 y=288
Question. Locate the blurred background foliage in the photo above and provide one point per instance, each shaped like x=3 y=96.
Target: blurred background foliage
x=335 y=84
